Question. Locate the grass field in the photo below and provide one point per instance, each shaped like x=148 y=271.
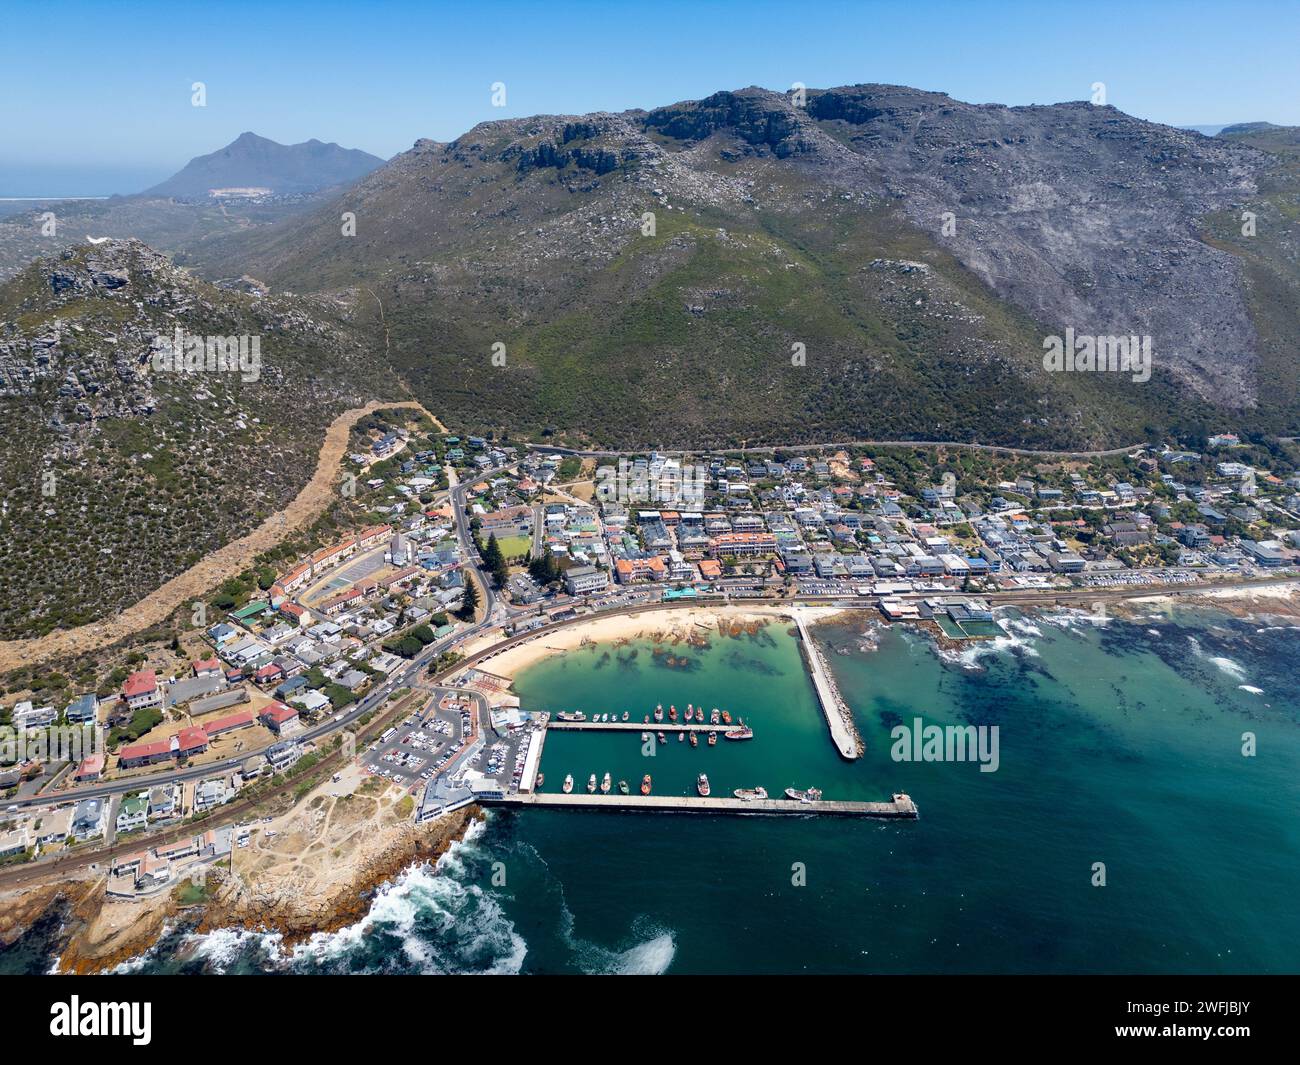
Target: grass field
x=515 y=546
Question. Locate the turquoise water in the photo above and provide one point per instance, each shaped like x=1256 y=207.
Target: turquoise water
x=1119 y=744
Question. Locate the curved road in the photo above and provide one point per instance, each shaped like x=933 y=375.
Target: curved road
x=768 y=449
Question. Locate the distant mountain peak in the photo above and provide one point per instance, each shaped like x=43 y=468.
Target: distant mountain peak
x=254 y=161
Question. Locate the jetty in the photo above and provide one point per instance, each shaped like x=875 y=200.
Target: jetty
x=901 y=807
x=839 y=719
x=639 y=726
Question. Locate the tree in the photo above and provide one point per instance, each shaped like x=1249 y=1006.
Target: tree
x=544 y=568
x=470 y=602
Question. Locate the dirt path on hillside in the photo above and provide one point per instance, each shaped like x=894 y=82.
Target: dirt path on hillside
x=227 y=561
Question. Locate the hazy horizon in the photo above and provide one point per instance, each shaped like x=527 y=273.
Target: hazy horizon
x=407 y=71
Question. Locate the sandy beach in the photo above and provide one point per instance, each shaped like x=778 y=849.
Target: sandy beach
x=669 y=625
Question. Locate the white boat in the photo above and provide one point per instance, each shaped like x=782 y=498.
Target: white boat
x=568 y=783
x=810 y=795
x=591 y=784
x=605 y=785
x=749 y=794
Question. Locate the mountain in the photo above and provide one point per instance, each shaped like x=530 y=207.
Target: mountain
x=179 y=216
x=250 y=161
x=117 y=473
x=918 y=247
x=1280 y=140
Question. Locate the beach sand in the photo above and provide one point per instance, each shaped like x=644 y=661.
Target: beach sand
x=669 y=625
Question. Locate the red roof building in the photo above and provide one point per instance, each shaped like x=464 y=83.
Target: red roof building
x=144 y=753
x=90 y=768
x=191 y=741
x=141 y=689
x=228 y=724
x=207 y=667
x=277 y=716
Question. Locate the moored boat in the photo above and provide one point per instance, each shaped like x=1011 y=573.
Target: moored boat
x=591 y=784
x=681 y=737
x=672 y=713
x=605 y=785
x=749 y=794
x=713 y=739
x=726 y=717
x=565 y=715
x=568 y=783
x=807 y=795
x=743 y=732
x=624 y=715
x=713 y=717
x=541 y=779
x=702 y=785
x=661 y=738
x=622 y=787
x=659 y=712
x=645 y=784
x=695 y=739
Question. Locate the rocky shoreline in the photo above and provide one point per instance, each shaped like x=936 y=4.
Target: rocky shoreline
x=100 y=933
x=297 y=918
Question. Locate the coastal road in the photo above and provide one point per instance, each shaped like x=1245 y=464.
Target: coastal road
x=768 y=449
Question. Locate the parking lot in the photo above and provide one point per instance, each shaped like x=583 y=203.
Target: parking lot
x=413 y=751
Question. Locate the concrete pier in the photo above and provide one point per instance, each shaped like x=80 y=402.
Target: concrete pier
x=637 y=726
x=846 y=739
x=901 y=807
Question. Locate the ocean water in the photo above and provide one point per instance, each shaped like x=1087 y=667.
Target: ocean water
x=1120 y=742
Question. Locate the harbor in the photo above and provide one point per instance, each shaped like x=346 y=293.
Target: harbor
x=745 y=735
x=900 y=807
x=638 y=726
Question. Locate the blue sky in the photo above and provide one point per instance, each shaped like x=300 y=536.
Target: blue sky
x=96 y=97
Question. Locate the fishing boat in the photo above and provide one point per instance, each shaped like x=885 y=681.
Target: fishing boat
x=564 y=715
x=645 y=784
x=810 y=795
x=749 y=794
x=695 y=739
x=568 y=783
x=672 y=713
x=659 y=712
x=605 y=785
x=702 y=785
x=741 y=732
x=726 y=717
x=713 y=739
x=623 y=789
x=591 y=784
